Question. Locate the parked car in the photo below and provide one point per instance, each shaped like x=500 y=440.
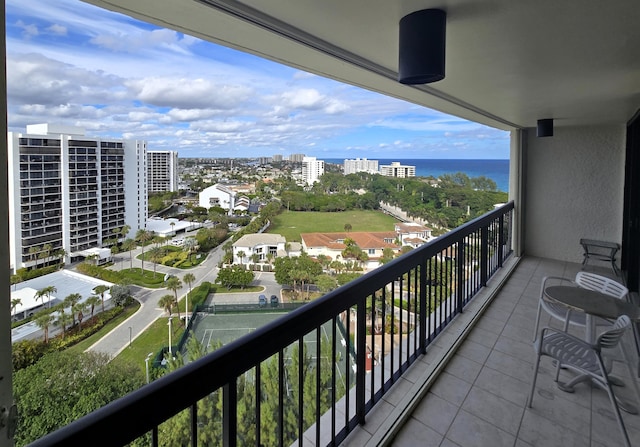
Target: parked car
x=274 y=301
x=262 y=301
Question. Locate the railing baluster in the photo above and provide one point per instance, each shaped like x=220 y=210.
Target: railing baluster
x=230 y=414
x=424 y=307
x=334 y=347
x=301 y=362
x=194 y=424
x=258 y=380
x=361 y=337
x=281 y=391
x=318 y=388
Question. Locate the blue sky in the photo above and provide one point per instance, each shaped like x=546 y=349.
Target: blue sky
x=71 y=63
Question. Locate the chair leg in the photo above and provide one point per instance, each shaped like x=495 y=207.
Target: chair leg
x=535 y=327
x=533 y=381
x=616 y=409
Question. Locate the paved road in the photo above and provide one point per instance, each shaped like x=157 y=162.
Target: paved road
x=120 y=337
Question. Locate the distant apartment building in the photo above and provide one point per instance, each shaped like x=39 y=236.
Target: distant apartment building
x=296 y=158
x=277 y=158
x=162 y=171
x=360 y=165
x=312 y=169
x=395 y=169
x=71 y=192
x=264 y=160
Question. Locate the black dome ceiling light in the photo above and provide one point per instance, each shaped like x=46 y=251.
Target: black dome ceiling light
x=422 y=47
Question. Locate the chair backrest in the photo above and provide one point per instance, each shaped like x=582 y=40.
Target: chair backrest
x=601 y=284
x=610 y=338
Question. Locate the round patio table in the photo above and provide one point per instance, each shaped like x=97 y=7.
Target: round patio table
x=597 y=304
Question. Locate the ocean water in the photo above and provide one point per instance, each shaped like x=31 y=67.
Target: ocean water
x=496 y=170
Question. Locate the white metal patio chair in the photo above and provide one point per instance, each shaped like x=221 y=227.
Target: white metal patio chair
x=576 y=354
x=585 y=280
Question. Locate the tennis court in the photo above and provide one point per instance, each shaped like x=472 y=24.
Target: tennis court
x=213 y=328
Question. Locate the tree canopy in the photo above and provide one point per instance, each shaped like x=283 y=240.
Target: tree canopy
x=63 y=386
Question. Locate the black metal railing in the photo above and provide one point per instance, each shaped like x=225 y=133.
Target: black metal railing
x=311 y=376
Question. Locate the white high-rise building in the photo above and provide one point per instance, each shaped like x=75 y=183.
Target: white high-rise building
x=360 y=165
x=312 y=169
x=395 y=169
x=69 y=191
x=162 y=171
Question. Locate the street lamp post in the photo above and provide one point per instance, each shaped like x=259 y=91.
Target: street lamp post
x=129 y=336
x=170 y=353
x=146 y=364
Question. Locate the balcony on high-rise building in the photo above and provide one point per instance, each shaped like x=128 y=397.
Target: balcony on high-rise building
x=451 y=368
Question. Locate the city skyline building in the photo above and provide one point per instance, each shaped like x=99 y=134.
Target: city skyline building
x=67 y=192
x=396 y=169
x=351 y=166
x=162 y=171
x=312 y=169
x=296 y=158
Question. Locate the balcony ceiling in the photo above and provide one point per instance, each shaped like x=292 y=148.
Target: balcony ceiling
x=508 y=63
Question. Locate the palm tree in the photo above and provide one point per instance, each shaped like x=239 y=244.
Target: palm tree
x=71 y=301
x=47 y=250
x=125 y=230
x=48 y=291
x=63 y=320
x=166 y=302
x=100 y=290
x=15 y=279
x=155 y=255
x=92 y=301
x=129 y=245
x=143 y=236
x=173 y=224
x=44 y=320
x=240 y=255
x=15 y=302
x=190 y=245
x=33 y=253
x=189 y=278
x=79 y=309
x=174 y=283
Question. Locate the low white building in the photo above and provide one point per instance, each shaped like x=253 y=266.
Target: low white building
x=261 y=244
x=412 y=234
x=224 y=197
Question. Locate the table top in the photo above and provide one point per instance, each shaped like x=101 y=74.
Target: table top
x=594 y=303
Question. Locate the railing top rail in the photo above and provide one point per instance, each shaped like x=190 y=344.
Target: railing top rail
x=176 y=391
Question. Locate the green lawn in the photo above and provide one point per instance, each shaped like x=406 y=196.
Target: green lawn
x=152 y=339
x=291 y=223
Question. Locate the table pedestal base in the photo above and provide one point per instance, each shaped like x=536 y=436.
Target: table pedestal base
x=624 y=404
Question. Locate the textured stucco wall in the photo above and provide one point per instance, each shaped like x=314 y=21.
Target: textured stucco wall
x=574 y=188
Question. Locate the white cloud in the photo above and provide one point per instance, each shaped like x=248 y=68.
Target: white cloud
x=28 y=30
x=74 y=63
x=60 y=30
x=186 y=93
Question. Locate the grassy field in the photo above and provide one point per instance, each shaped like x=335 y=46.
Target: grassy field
x=291 y=223
x=152 y=339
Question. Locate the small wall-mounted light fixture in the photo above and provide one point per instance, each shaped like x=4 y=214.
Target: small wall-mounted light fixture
x=545 y=128
x=422 y=47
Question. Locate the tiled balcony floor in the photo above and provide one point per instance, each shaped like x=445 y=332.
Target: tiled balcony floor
x=480 y=398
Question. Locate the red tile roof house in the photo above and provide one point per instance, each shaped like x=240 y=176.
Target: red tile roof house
x=332 y=244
